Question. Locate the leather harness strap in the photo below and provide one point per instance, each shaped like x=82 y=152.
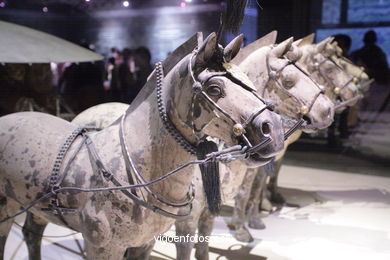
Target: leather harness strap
x=108 y=175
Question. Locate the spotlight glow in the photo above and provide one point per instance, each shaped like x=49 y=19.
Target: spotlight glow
x=2 y=4
x=87 y=0
x=45 y=9
x=188 y=1
x=183 y=4
x=126 y=3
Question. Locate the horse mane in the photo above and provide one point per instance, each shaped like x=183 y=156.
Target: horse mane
x=168 y=64
x=266 y=40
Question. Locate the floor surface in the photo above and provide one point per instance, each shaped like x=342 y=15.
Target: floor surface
x=343 y=215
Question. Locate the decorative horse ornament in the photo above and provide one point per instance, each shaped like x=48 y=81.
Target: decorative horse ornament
x=197 y=97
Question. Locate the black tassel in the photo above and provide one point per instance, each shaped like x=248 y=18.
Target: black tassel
x=234 y=15
x=210 y=176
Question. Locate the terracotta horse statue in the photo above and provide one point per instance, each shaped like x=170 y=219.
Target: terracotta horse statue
x=232 y=174
x=335 y=53
x=188 y=97
x=345 y=84
x=343 y=87
x=291 y=102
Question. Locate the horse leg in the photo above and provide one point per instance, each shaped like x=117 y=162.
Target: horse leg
x=33 y=229
x=237 y=221
x=276 y=197
x=258 y=187
x=186 y=230
x=205 y=227
x=140 y=253
x=112 y=251
x=6 y=209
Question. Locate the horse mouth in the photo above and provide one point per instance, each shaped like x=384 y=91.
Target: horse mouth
x=255 y=160
x=258 y=158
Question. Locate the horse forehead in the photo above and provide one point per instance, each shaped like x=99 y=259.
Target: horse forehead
x=239 y=75
x=231 y=71
x=278 y=63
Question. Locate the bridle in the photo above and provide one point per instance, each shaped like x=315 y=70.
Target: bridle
x=336 y=89
x=357 y=79
x=274 y=75
x=199 y=90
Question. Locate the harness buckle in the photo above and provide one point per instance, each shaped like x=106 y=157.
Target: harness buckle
x=107 y=175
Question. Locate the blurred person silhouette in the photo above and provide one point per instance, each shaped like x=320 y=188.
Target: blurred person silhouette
x=81 y=84
x=127 y=76
x=117 y=55
x=142 y=58
x=372 y=58
x=344 y=42
x=111 y=84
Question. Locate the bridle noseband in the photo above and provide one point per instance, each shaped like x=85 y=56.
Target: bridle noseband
x=336 y=89
x=274 y=75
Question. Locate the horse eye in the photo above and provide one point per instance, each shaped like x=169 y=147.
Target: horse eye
x=214 y=90
x=289 y=83
x=329 y=70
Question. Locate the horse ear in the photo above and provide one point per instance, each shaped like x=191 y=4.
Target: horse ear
x=305 y=40
x=294 y=54
x=232 y=49
x=321 y=45
x=336 y=49
x=262 y=42
x=206 y=50
x=298 y=43
x=282 y=47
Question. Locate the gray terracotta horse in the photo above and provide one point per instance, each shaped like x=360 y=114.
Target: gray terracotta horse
x=345 y=84
x=196 y=98
x=290 y=101
x=232 y=174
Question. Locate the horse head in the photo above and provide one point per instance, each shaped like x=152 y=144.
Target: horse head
x=316 y=60
x=360 y=77
x=273 y=70
x=208 y=96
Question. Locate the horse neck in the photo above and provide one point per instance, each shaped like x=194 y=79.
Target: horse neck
x=153 y=150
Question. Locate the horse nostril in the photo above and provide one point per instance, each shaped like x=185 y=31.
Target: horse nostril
x=307 y=119
x=266 y=128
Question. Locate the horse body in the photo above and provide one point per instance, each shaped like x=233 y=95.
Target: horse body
x=102 y=217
